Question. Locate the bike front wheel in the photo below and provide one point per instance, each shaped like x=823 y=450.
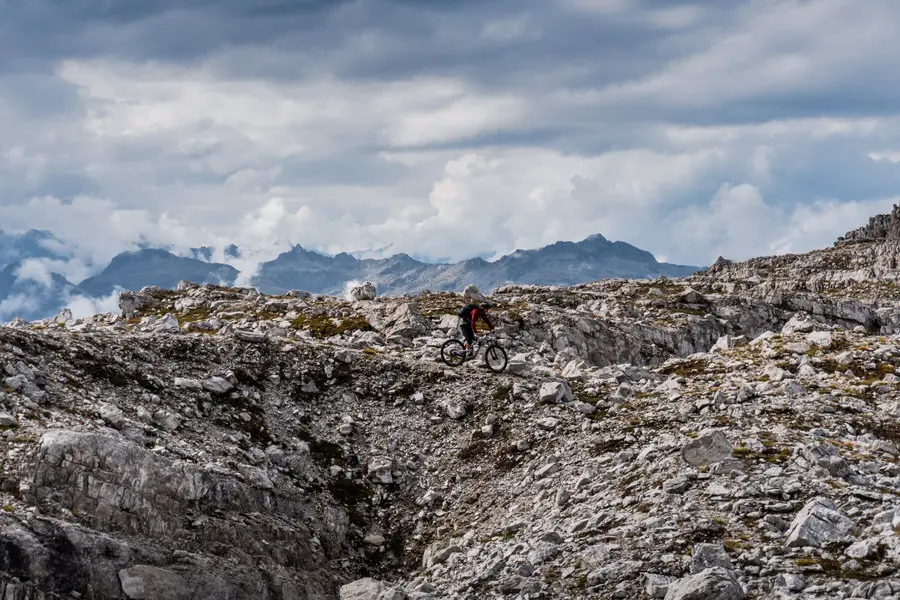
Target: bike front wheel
x=453 y=353
x=495 y=358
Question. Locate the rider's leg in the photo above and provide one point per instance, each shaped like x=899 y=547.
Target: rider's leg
x=469 y=336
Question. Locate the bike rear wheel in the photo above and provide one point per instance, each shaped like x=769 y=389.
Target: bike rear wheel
x=453 y=353
x=495 y=358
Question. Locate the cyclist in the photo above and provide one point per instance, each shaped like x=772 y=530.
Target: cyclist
x=470 y=314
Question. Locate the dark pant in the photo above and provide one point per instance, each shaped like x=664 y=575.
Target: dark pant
x=467 y=331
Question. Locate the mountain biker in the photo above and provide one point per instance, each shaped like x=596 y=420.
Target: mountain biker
x=470 y=314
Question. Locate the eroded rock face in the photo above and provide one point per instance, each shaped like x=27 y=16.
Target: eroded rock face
x=118 y=486
x=879 y=227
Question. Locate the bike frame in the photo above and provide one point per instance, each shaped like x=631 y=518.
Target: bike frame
x=480 y=340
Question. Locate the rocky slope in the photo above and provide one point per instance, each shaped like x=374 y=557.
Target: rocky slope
x=729 y=435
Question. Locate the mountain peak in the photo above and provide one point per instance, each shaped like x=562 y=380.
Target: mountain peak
x=596 y=237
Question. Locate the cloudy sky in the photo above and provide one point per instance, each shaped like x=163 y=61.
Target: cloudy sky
x=448 y=128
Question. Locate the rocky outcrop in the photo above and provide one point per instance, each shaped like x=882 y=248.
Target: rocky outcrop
x=879 y=227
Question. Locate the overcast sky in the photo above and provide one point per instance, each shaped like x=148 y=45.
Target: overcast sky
x=448 y=128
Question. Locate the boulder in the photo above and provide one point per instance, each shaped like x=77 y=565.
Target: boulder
x=706 y=556
x=131 y=303
x=710 y=447
x=728 y=342
x=380 y=470
x=143 y=582
x=254 y=337
x=403 y=320
x=715 y=583
x=454 y=408
x=362 y=589
x=655 y=585
x=217 y=385
x=362 y=292
x=472 y=294
x=555 y=392
x=817 y=524
x=692 y=296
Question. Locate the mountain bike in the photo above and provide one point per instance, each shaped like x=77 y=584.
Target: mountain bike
x=453 y=352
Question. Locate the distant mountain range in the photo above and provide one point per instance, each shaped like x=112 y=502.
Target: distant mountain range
x=32 y=296
x=562 y=263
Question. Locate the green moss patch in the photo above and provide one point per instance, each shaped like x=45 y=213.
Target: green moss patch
x=322 y=326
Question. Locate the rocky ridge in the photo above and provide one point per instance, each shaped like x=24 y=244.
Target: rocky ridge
x=729 y=435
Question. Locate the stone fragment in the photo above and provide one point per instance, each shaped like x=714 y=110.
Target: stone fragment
x=217 y=385
x=792 y=582
x=454 y=408
x=820 y=339
x=362 y=589
x=143 y=582
x=862 y=549
x=166 y=420
x=676 y=485
x=710 y=447
x=712 y=584
x=380 y=470
x=728 y=342
x=437 y=554
x=168 y=324
x=472 y=294
x=547 y=423
x=253 y=337
x=185 y=383
x=692 y=296
x=555 y=392
x=706 y=556
x=113 y=415
x=655 y=585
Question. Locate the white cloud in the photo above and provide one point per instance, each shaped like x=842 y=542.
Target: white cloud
x=512 y=28
x=10 y=307
x=35 y=269
x=83 y=307
x=738 y=223
x=890 y=156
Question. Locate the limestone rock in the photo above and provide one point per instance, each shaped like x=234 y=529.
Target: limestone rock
x=143 y=582
x=710 y=447
x=706 y=556
x=380 y=470
x=715 y=583
x=818 y=523
x=472 y=294
x=455 y=408
x=362 y=589
x=555 y=392
x=363 y=292
x=254 y=337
